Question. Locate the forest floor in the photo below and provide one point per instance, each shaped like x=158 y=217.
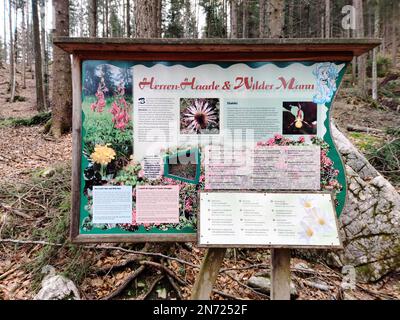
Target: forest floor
x=34 y=207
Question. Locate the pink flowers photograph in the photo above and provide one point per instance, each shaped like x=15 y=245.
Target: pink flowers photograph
x=199 y=116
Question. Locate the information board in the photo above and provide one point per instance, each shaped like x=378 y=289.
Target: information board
x=294 y=220
x=155 y=134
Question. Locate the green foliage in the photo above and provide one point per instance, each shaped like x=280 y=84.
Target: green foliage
x=100 y=130
x=386 y=158
x=391 y=89
x=215 y=25
x=46 y=197
x=115 y=23
x=365 y=142
x=175 y=25
x=17 y=98
x=128 y=175
x=38 y=119
x=383 y=65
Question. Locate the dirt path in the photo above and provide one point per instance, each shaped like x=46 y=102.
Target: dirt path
x=348 y=110
x=25 y=149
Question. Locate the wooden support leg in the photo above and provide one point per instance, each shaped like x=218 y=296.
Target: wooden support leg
x=208 y=273
x=280 y=274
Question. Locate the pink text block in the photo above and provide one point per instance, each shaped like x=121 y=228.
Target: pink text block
x=157 y=204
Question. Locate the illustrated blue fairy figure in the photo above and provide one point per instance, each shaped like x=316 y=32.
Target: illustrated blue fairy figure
x=326 y=74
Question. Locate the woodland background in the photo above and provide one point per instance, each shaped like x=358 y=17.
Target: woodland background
x=35 y=139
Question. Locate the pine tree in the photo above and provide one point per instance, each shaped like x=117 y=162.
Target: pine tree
x=174 y=28
x=62 y=84
x=148 y=19
x=40 y=104
x=92 y=15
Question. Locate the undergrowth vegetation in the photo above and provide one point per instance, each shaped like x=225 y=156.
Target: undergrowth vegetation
x=38 y=119
x=386 y=158
x=39 y=209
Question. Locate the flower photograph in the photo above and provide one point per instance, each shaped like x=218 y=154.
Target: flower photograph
x=299 y=118
x=199 y=116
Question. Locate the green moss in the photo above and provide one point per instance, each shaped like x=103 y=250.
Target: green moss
x=365 y=142
x=366 y=272
x=37 y=119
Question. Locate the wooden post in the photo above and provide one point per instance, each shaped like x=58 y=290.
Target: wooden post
x=280 y=274
x=208 y=273
x=76 y=143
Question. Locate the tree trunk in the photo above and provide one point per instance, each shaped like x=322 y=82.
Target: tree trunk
x=374 y=53
x=151 y=26
x=29 y=42
x=40 y=106
x=81 y=18
x=128 y=19
x=62 y=84
x=234 y=18
x=361 y=61
x=384 y=29
x=290 y=18
x=5 y=34
x=276 y=18
x=262 y=18
x=225 y=4
x=245 y=19
x=107 y=29
x=92 y=13
x=158 y=18
x=45 y=69
x=123 y=18
x=12 y=55
x=103 y=11
x=327 y=18
x=24 y=45
x=395 y=27
x=197 y=13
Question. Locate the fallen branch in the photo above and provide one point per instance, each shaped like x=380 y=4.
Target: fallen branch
x=17 y=241
x=316 y=285
x=100 y=247
x=125 y=284
x=5 y=274
x=157 y=280
x=151 y=254
x=15 y=211
x=363 y=129
x=226 y=295
x=115 y=267
x=254 y=266
x=175 y=286
x=247 y=287
x=165 y=269
x=377 y=294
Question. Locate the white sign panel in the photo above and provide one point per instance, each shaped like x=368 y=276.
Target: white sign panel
x=270 y=219
x=112 y=204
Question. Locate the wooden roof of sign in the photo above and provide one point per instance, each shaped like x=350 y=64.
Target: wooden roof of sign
x=310 y=49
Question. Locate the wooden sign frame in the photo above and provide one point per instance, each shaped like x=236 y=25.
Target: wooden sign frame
x=211 y=50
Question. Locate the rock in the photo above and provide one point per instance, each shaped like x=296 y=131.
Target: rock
x=302 y=266
x=263 y=284
x=56 y=287
x=370 y=221
x=293 y=290
x=348 y=296
x=318 y=284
